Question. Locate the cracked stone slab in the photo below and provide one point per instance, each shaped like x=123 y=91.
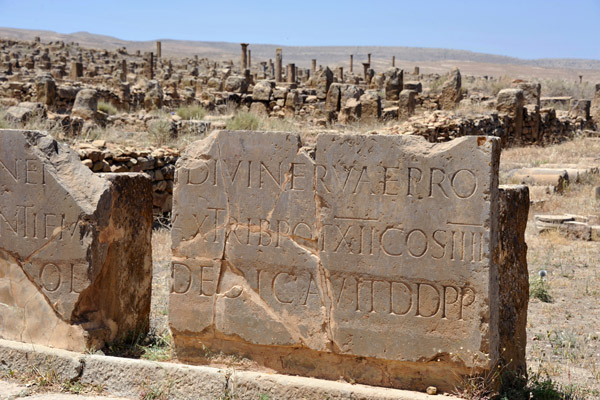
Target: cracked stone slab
x=370 y=257
x=75 y=250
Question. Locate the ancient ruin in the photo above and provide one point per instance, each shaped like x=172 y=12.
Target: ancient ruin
x=326 y=220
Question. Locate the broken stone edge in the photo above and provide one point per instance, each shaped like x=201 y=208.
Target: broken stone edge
x=128 y=377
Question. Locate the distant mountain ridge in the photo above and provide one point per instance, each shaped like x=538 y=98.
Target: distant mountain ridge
x=301 y=55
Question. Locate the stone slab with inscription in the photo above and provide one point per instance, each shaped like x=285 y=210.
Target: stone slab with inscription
x=367 y=257
x=75 y=248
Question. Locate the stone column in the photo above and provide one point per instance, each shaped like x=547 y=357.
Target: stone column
x=416 y=71
x=149 y=65
x=278 y=61
x=340 y=74
x=76 y=70
x=366 y=67
x=123 y=70
x=369 y=58
x=158 y=49
x=595 y=110
x=313 y=67
x=249 y=59
x=351 y=63
x=393 y=61
x=271 y=71
x=291 y=73
x=244 y=62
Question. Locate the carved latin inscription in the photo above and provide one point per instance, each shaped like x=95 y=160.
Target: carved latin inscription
x=360 y=241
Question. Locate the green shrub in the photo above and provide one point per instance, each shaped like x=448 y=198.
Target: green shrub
x=107 y=108
x=191 y=112
x=161 y=131
x=244 y=121
x=539 y=290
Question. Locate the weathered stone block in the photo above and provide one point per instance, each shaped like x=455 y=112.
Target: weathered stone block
x=263 y=90
x=75 y=250
x=531 y=92
x=513 y=276
x=25 y=111
x=350 y=112
x=86 y=104
x=333 y=100
x=235 y=84
x=407 y=103
x=511 y=102
x=370 y=105
x=368 y=257
x=451 y=91
x=393 y=83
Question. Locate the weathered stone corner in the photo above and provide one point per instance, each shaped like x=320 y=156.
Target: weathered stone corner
x=75 y=248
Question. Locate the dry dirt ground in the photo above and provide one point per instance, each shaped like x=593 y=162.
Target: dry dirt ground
x=564 y=333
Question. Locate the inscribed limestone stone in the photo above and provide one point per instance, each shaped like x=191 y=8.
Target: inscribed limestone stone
x=75 y=252
x=369 y=257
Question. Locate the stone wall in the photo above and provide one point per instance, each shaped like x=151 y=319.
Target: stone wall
x=159 y=164
x=545 y=127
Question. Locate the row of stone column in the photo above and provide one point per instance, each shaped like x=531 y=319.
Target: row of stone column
x=291 y=71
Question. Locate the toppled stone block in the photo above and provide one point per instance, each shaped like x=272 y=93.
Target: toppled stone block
x=235 y=84
x=323 y=80
x=25 y=111
x=531 y=92
x=45 y=87
x=334 y=95
x=86 y=104
x=406 y=103
x=451 y=91
x=370 y=105
x=75 y=248
x=393 y=83
x=153 y=95
x=350 y=112
x=369 y=256
x=511 y=102
x=570 y=226
x=389 y=113
x=263 y=90
x=558 y=179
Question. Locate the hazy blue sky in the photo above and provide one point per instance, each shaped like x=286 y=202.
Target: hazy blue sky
x=525 y=28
